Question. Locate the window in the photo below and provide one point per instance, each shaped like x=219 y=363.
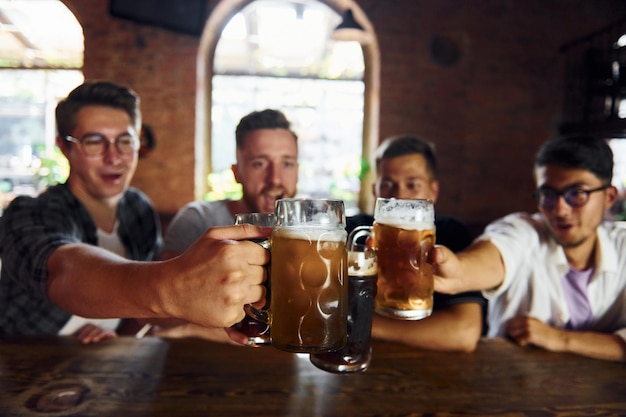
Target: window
x=41 y=52
x=618 y=211
x=279 y=55
x=619 y=69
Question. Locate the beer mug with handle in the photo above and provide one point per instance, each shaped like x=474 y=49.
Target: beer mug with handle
x=362 y=273
x=404 y=236
x=308 y=276
x=258 y=331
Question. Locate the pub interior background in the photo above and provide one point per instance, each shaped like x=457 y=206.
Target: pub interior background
x=487 y=81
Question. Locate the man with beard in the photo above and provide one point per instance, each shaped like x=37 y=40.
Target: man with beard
x=266 y=168
x=555 y=279
x=406 y=168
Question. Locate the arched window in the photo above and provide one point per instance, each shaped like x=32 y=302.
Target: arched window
x=277 y=54
x=41 y=56
x=618 y=146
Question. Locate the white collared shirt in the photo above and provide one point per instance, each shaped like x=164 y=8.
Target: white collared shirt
x=535 y=264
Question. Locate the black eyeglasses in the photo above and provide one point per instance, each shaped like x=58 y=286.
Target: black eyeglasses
x=574 y=196
x=95 y=144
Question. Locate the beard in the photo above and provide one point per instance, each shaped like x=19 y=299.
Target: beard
x=570 y=245
x=264 y=201
x=567 y=244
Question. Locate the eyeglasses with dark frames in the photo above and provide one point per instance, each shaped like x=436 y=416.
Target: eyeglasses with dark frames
x=95 y=144
x=576 y=197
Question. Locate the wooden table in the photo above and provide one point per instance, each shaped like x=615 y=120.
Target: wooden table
x=127 y=377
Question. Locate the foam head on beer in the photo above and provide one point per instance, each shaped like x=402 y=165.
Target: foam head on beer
x=362 y=262
x=393 y=211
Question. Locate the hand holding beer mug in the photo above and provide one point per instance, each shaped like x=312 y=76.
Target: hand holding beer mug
x=258 y=332
x=308 y=273
x=362 y=270
x=404 y=236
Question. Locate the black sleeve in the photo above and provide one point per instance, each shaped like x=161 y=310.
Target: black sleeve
x=452 y=233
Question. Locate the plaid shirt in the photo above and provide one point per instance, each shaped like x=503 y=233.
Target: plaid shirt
x=32 y=228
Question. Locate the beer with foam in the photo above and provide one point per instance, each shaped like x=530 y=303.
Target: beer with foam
x=308 y=276
x=404 y=236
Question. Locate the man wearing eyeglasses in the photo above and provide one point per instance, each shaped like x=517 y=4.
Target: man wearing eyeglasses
x=71 y=253
x=555 y=279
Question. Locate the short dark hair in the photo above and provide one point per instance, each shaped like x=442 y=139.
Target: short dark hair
x=402 y=145
x=96 y=93
x=578 y=152
x=262 y=119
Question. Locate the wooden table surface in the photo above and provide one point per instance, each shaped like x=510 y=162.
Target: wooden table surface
x=127 y=377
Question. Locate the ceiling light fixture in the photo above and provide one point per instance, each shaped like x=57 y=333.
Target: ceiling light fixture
x=349 y=30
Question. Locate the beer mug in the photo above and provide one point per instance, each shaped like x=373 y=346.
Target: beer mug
x=258 y=331
x=308 y=271
x=404 y=236
x=362 y=273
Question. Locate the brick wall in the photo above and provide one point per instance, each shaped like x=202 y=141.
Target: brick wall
x=487 y=114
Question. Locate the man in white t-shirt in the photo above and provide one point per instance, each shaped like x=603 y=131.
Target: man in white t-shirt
x=555 y=279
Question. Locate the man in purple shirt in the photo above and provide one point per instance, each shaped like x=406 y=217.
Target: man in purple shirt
x=554 y=279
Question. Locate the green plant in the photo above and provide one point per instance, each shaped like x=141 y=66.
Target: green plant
x=53 y=169
x=222 y=185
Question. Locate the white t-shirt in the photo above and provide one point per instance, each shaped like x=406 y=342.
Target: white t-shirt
x=110 y=241
x=534 y=266
x=192 y=220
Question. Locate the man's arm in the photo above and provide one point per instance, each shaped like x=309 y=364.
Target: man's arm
x=479 y=267
x=530 y=331
x=208 y=284
x=215 y=334
x=456 y=328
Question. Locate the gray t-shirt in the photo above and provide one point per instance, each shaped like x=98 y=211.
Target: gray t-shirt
x=192 y=220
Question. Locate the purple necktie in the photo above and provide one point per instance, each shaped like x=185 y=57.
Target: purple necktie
x=575 y=287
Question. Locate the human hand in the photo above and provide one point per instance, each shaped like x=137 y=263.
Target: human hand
x=531 y=331
x=446 y=268
x=238 y=338
x=479 y=267
x=90 y=333
x=214 y=334
x=221 y=272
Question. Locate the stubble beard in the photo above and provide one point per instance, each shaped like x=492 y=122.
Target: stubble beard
x=567 y=245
